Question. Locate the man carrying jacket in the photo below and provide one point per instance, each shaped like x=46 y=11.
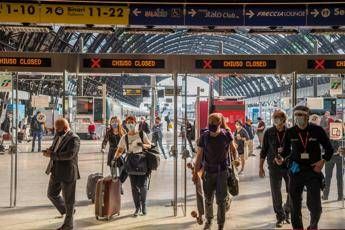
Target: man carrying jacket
x=63 y=170
x=272 y=149
x=303 y=154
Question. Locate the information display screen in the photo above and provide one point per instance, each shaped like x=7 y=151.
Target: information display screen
x=95 y=63
x=235 y=64
x=326 y=64
x=25 y=61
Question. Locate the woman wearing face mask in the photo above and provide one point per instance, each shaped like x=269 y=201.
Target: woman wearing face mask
x=240 y=137
x=113 y=136
x=134 y=143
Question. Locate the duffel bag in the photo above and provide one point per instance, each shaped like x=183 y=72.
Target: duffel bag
x=136 y=164
x=153 y=158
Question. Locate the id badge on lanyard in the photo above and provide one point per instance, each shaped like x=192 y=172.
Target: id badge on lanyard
x=305 y=154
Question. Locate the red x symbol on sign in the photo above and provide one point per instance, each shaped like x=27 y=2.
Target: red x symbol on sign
x=320 y=64
x=95 y=63
x=207 y=64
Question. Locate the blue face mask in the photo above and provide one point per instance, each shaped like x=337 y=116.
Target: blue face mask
x=213 y=128
x=115 y=125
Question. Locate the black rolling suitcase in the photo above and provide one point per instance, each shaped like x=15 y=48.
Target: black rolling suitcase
x=92 y=182
x=91 y=185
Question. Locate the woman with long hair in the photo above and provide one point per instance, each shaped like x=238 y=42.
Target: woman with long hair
x=240 y=136
x=135 y=142
x=113 y=136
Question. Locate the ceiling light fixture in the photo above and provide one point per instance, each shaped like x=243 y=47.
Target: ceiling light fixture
x=148 y=31
x=89 y=29
x=327 y=31
x=26 y=29
x=211 y=31
x=273 y=31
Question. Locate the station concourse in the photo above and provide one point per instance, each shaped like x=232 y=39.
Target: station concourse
x=82 y=82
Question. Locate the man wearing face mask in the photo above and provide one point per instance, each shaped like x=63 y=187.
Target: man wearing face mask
x=272 y=149
x=213 y=155
x=305 y=162
x=63 y=170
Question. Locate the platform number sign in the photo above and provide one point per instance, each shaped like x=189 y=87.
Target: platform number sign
x=335 y=86
x=5 y=83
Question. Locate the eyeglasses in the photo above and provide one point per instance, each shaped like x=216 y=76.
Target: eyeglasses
x=299 y=114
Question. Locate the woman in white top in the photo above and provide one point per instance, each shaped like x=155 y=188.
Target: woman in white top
x=136 y=144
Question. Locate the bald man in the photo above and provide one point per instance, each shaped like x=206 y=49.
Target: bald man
x=63 y=170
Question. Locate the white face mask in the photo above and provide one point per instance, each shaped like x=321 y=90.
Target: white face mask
x=278 y=121
x=301 y=121
x=130 y=127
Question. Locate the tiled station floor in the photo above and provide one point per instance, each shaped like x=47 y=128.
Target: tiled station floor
x=252 y=209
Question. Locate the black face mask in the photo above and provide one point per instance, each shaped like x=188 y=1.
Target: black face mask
x=61 y=133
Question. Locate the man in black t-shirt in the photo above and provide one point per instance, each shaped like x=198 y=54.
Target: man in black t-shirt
x=213 y=157
x=305 y=162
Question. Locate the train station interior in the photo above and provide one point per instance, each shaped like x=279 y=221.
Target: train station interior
x=98 y=67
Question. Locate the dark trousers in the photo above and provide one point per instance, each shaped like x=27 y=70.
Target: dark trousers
x=189 y=138
x=211 y=187
x=311 y=180
x=64 y=204
x=139 y=190
x=336 y=160
x=158 y=140
x=276 y=177
x=36 y=135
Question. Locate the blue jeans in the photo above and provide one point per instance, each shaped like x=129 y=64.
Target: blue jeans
x=158 y=140
x=38 y=135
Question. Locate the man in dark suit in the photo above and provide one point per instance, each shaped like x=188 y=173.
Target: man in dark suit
x=63 y=170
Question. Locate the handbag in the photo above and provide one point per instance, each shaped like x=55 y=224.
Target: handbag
x=135 y=163
x=153 y=158
x=233 y=180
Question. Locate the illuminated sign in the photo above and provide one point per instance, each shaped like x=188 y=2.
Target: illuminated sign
x=132 y=92
x=322 y=64
x=25 y=61
x=124 y=63
x=170 y=91
x=64 y=13
x=235 y=64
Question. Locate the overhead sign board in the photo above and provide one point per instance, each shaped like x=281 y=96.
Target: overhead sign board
x=95 y=63
x=132 y=92
x=84 y=14
x=336 y=131
x=219 y=15
x=235 y=64
x=64 y=13
x=275 y=15
x=326 y=15
x=322 y=64
x=25 y=61
x=156 y=15
x=5 y=82
x=336 y=86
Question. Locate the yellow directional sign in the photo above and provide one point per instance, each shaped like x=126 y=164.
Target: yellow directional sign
x=19 y=12
x=132 y=92
x=84 y=14
x=64 y=13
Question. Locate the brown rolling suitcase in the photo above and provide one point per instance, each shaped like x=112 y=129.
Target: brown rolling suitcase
x=108 y=197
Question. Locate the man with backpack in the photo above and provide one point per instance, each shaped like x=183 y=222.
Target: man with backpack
x=37 y=131
x=213 y=156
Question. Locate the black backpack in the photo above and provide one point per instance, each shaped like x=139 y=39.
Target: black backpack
x=5 y=125
x=35 y=124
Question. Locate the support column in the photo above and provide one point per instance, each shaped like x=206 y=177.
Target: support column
x=175 y=76
x=293 y=92
x=16 y=146
x=316 y=51
x=153 y=100
x=64 y=85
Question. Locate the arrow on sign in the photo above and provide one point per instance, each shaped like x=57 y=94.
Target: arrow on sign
x=136 y=12
x=315 y=13
x=192 y=12
x=250 y=14
x=49 y=10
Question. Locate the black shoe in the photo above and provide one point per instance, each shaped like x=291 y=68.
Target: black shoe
x=312 y=228
x=279 y=224
x=220 y=226
x=208 y=225
x=287 y=218
x=324 y=197
x=143 y=210
x=136 y=213
x=66 y=227
x=340 y=198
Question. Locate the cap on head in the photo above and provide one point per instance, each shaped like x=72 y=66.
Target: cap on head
x=301 y=109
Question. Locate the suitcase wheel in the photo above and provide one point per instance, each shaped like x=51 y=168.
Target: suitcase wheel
x=97 y=218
